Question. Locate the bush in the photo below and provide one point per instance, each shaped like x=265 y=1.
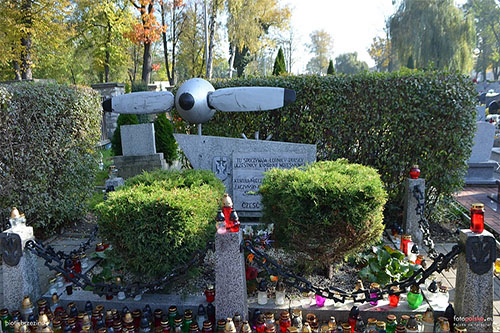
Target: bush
x=328 y=210
x=47 y=153
x=116 y=141
x=164 y=138
x=385 y=120
x=158 y=219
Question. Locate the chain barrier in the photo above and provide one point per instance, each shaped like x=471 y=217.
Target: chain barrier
x=440 y=263
x=423 y=224
x=58 y=261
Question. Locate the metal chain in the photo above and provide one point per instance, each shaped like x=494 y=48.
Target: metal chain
x=55 y=261
x=423 y=224
x=439 y=263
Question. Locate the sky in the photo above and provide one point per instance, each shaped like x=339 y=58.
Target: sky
x=352 y=24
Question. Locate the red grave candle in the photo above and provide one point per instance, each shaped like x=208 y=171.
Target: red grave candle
x=414 y=172
x=477 y=218
x=227 y=207
x=405 y=240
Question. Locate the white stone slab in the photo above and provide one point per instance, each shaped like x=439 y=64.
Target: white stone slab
x=138 y=140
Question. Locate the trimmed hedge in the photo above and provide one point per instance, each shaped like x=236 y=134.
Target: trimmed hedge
x=158 y=219
x=385 y=120
x=47 y=163
x=328 y=210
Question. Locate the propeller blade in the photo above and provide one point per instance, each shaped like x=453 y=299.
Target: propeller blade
x=250 y=98
x=143 y=102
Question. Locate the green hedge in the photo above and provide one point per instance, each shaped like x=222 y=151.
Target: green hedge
x=385 y=120
x=47 y=163
x=328 y=210
x=158 y=219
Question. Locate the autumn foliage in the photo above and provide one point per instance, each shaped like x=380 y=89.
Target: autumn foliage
x=149 y=30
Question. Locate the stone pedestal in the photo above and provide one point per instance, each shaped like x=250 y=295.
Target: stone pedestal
x=410 y=216
x=474 y=292
x=129 y=166
x=21 y=280
x=230 y=281
x=109 y=90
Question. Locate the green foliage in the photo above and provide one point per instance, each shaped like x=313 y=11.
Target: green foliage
x=348 y=63
x=164 y=138
x=385 y=266
x=331 y=69
x=158 y=219
x=47 y=153
x=116 y=140
x=136 y=87
x=279 y=63
x=433 y=31
x=385 y=120
x=325 y=208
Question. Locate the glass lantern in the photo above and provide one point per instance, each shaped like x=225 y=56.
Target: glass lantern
x=280 y=294
x=414 y=172
x=262 y=293
x=477 y=218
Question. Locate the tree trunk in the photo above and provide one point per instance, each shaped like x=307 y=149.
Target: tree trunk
x=107 y=55
x=212 y=27
x=165 y=44
x=17 y=70
x=26 y=65
x=331 y=271
x=147 y=62
x=231 y=60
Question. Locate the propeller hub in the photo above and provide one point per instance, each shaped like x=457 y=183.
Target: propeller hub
x=186 y=101
x=191 y=101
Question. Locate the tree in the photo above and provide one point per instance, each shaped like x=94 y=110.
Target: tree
x=486 y=15
x=174 y=11
x=146 y=33
x=214 y=8
x=411 y=62
x=100 y=26
x=348 y=63
x=380 y=51
x=164 y=138
x=433 y=32
x=191 y=43
x=248 y=22
x=330 y=70
x=321 y=46
x=25 y=25
x=279 y=64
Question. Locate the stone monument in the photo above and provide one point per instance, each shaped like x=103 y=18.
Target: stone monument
x=474 y=289
x=20 y=273
x=412 y=211
x=240 y=163
x=481 y=167
x=480 y=113
x=109 y=90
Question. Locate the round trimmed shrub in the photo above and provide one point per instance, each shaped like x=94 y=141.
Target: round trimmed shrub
x=157 y=220
x=327 y=210
x=47 y=152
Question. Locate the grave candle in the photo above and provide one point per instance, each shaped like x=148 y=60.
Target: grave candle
x=414 y=297
x=227 y=207
x=477 y=218
x=285 y=321
x=414 y=172
x=202 y=315
x=405 y=241
x=245 y=328
x=374 y=288
x=262 y=293
x=207 y=327
x=221 y=223
x=320 y=301
x=353 y=317
x=280 y=294
x=210 y=293
x=27 y=308
x=393 y=296
x=390 y=327
x=234 y=221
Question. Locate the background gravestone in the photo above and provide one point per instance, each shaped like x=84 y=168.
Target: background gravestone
x=481 y=167
x=480 y=113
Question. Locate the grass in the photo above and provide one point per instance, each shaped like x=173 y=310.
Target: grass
x=100 y=179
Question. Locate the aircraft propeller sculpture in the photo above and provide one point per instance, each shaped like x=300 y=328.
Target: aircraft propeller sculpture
x=197 y=100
